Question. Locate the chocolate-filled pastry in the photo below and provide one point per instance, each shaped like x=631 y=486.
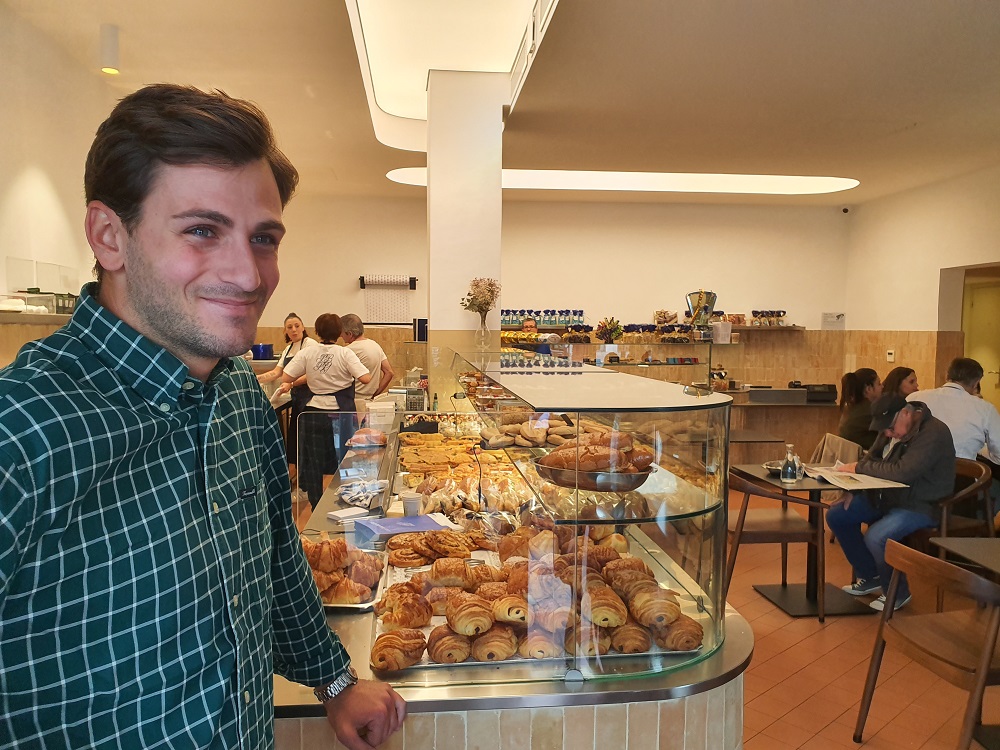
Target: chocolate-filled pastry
x=445 y=646
x=398 y=650
x=600 y=554
x=631 y=638
x=539 y=644
x=602 y=606
x=408 y=611
x=496 y=644
x=683 y=634
x=469 y=614
x=582 y=579
x=652 y=606
x=587 y=639
x=510 y=608
x=448 y=571
x=492 y=590
x=548 y=618
x=626 y=563
x=622 y=580
x=438 y=598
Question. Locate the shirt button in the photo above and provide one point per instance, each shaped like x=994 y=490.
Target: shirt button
x=236 y=601
x=246 y=697
x=164 y=407
x=188 y=385
x=215 y=507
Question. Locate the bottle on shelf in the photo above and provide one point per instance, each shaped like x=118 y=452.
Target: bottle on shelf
x=434 y=404
x=789 y=471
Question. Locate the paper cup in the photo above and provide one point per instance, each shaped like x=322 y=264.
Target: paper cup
x=411 y=503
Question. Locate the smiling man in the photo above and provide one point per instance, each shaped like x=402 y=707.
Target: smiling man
x=915 y=449
x=151 y=578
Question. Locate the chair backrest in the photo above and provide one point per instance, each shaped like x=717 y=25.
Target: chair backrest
x=835 y=448
x=972 y=480
x=941 y=574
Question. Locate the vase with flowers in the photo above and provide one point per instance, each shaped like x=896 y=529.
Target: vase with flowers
x=608 y=330
x=481 y=298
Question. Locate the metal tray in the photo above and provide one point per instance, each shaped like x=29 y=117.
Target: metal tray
x=598 y=481
x=376 y=592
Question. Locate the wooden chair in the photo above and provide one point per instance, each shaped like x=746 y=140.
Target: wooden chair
x=961 y=511
x=780 y=525
x=958 y=646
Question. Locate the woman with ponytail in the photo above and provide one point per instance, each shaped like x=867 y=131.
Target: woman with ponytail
x=858 y=390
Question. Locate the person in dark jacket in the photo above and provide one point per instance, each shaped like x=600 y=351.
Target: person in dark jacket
x=858 y=391
x=912 y=448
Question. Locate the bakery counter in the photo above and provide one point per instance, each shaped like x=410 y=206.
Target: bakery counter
x=701 y=704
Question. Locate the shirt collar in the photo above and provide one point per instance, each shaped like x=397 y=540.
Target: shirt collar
x=148 y=368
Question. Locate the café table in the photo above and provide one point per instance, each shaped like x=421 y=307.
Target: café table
x=800 y=599
x=984 y=552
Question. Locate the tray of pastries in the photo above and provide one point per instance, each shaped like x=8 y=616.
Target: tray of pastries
x=347 y=577
x=543 y=593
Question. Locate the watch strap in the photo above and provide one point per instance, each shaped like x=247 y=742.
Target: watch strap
x=339 y=685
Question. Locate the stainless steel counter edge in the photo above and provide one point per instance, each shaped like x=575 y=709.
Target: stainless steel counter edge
x=721 y=667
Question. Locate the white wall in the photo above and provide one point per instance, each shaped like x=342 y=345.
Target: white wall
x=628 y=260
x=331 y=242
x=898 y=245
x=49 y=112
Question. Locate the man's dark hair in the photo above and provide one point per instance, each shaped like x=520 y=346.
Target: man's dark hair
x=176 y=125
x=965 y=371
x=328 y=328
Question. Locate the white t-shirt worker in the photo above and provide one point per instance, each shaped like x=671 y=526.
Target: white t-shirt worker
x=328 y=368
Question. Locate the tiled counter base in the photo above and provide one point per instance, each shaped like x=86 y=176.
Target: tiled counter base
x=711 y=720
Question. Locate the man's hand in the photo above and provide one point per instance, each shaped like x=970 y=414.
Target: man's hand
x=364 y=715
x=849 y=468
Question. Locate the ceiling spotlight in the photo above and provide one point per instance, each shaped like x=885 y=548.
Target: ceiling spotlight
x=110 y=64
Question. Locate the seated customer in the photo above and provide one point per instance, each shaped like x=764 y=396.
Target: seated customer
x=915 y=449
x=901 y=381
x=974 y=423
x=858 y=390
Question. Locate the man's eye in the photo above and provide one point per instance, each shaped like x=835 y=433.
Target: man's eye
x=201 y=232
x=264 y=239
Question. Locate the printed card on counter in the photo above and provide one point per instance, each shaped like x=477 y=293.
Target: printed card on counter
x=373 y=529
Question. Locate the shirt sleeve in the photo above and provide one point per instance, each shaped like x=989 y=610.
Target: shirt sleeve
x=992 y=432
x=297 y=367
x=18 y=512
x=354 y=365
x=305 y=649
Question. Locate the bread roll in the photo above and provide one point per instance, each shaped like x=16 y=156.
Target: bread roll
x=496 y=644
x=445 y=646
x=585 y=458
x=398 y=650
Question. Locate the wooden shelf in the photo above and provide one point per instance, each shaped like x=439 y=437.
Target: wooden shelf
x=768 y=328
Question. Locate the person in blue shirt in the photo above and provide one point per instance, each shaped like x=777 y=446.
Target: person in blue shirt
x=152 y=580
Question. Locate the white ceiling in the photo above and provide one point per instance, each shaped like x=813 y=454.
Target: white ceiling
x=895 y=93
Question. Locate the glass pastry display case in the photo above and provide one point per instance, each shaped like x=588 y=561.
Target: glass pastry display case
x=587 y=530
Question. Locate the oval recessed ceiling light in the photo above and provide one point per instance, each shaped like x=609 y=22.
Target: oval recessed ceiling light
x=653 y=182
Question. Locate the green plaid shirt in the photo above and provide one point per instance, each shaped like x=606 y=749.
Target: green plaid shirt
x=151 y=577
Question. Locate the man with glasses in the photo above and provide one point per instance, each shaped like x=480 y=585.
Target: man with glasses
x=912 y=448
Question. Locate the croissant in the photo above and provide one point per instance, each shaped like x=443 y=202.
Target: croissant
x=445 y=646
x=517 y=579
x=622 y=581
x=683 y=634
x=574 y=560
x=617 y=542
x=413 y=611
x=325 y=581
x=652 y=606
x=479 y=574
x=510 y=608
x=582 y=579
x=602 y=606
x=626 y=563
x=551 y=619
x=392 y=595
x=600 y=554
x=420 y=583
x=327 y=555
x=448 y=571
x=366 y=570
x=398 y=650
x=492 y=590
x=346 y=592
x=496 y=644
x=549 y=587
x=469 y=614
x=631 y=638
x=587 y=639
x=542 y=544
x=512 y=545
x=538 y=644
x=438 y=598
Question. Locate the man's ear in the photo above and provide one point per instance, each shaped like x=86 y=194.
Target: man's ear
x=107 y=236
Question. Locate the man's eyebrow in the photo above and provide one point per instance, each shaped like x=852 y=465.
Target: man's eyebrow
x=213 y=216
x=272 y=224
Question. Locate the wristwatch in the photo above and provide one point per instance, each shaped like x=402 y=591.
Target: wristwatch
x=335 y=688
